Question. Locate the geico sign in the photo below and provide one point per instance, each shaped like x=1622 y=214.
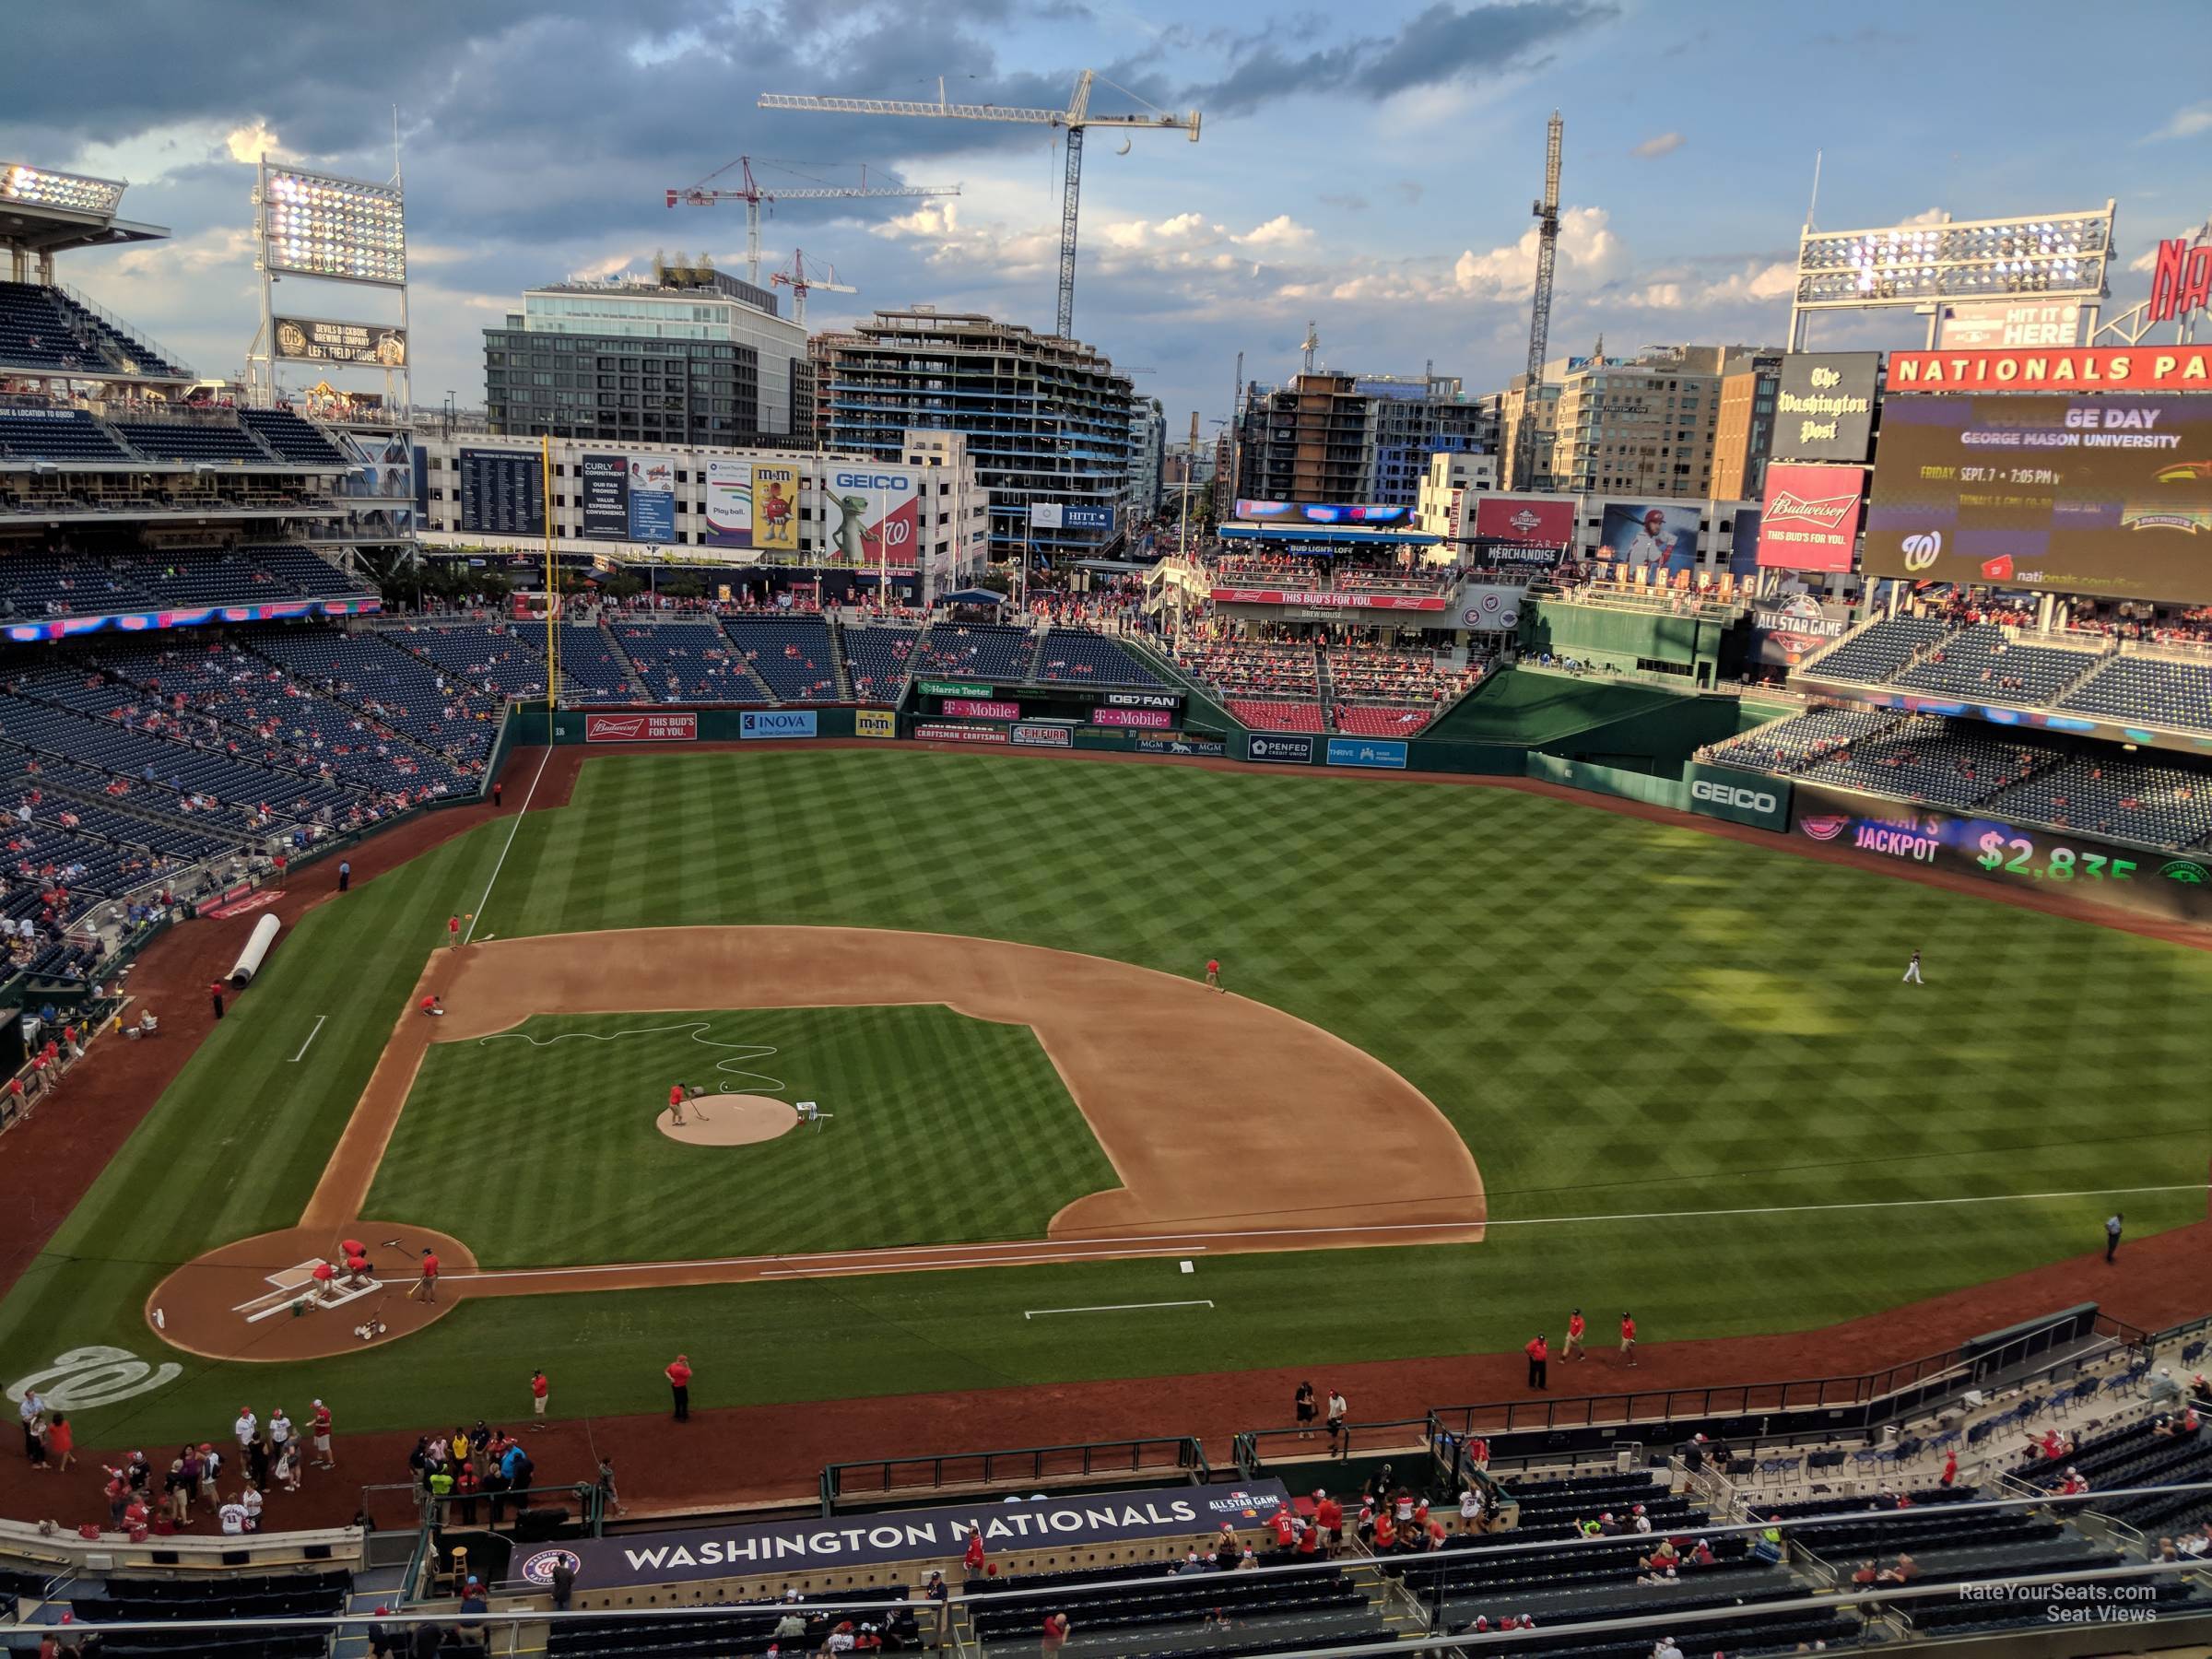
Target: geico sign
x=1732 y=794
x=849 y=480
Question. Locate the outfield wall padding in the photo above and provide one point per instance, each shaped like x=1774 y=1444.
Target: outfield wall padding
x=1610 y=780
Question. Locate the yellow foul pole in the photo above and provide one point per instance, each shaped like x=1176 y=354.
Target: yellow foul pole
x=545 y=459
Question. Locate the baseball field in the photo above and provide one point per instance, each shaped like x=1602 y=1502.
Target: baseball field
x=1485 y=1053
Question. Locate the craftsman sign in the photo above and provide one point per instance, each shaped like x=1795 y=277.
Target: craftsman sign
x=923 y=1534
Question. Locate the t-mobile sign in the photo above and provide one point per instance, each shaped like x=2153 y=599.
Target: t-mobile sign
x=1151 y=719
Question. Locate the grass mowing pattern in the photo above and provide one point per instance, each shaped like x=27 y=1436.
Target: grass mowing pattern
x=947 y=1129
x=1621 y=1017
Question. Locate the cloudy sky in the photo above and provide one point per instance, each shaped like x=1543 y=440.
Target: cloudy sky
x=1367 y=167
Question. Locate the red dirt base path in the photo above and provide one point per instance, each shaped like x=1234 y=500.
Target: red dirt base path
x=752 y=1453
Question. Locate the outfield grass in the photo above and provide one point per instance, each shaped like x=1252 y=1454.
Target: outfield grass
x=1625 y=1019
x=947 y=1129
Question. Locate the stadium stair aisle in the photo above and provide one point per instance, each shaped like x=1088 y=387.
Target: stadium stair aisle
x=1327 y=685
x=1033 y=664
x=837 y=664
x=629 y=669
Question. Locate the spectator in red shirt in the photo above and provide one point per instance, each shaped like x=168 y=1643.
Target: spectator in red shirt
x=1055 y=1631
x=1539 y=1356
x=679 y=1383
x=1329 y=1515
x=972 y=1557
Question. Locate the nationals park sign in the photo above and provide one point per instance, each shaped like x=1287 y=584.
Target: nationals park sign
x=720 y=1552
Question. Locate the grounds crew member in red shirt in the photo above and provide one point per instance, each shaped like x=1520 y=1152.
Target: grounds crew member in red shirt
x=1627 y=1337
x=426 y=1287
x=1213 y=973
x=675 y=1104
x=679 y=1383
x=539 y=1389
x=1538 y=1352
x=1572 y=1349
x=215 y=995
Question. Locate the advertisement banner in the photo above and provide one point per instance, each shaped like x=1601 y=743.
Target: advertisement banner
x=953 y=688
x=2087 y=369
x=1325 y=513
x=776 y=509
x=973 y=708
x=939 y=732
x=321 y=340
x=2089 y=495
x=1810 y=521
x=1329 y=601
x=1173 y=745
x=1031 y=735
x=640 y=728
x=2024 y=858
x=729 y=509
x=502 y=492
x=2181 y=279
x=1046 y=515
x=1153 y=720
x=1100 y=519
x=776 y=723
x=1545 y=520
x=874 y=722
x=603 y=487
x=878 y=514
x=1824 y=406
x=1385 y=752
x=1142 y=699
x=1292 y=749
x=1081 y=1520
x=1650 y=535
x=1982 y=325
x=1741 y=797
x=652 y=499
x=1789 y=627
x=1487 y=607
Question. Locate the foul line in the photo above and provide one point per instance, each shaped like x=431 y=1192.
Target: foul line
x=310 y=1037
x=1049 y=1259
x=1079 y=1248
x=1111 y=1308
x=519 y=813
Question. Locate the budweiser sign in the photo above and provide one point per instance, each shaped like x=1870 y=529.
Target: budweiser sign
x=1328 y=601
x=1826 y=512
x=1810 y=517
x=2181 y=279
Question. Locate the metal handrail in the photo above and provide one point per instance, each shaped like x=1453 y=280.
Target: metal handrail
x=1096 y=1457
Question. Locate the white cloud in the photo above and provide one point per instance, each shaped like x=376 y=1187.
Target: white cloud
x=1281 y=232
x=1665 y=144
x=1587 y=248
x=1928 y=216
x=2187 y=123
x=250 y=143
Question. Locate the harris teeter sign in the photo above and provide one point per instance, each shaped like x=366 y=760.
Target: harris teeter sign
x=1081 y=1522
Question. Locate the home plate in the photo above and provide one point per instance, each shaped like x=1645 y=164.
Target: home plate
x=294 y=1284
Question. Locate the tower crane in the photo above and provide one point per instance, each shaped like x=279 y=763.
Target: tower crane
x=1547 y=212
x=1074 y=120
x=750 y=191
x=801 y=284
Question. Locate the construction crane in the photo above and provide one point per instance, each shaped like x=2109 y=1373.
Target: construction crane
x=1310 y=344
x=1539 y=316
x=750 y=191
x=1074 y=120
x=801 y=284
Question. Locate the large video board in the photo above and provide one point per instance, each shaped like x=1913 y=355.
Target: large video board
x=2107 y=495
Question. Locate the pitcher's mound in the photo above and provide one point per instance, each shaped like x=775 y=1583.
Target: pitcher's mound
x=731 y=1119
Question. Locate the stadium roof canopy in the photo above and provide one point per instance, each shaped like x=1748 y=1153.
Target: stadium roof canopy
x=1325 y=537
x=46 y=212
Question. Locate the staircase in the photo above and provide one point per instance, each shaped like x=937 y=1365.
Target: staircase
x=837 y=665
x=631 y=675
x=1327 y=687
x=1035 y=664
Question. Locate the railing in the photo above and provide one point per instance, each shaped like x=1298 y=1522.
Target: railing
x=1026 y=1465
x=1254 y=1448
x=129 y=331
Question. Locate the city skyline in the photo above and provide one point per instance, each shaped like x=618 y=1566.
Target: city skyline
x=1371 y=174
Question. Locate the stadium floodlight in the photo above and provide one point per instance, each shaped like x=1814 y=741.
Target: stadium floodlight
x=43 y=187
x=2063 y=255
x=341 y=230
